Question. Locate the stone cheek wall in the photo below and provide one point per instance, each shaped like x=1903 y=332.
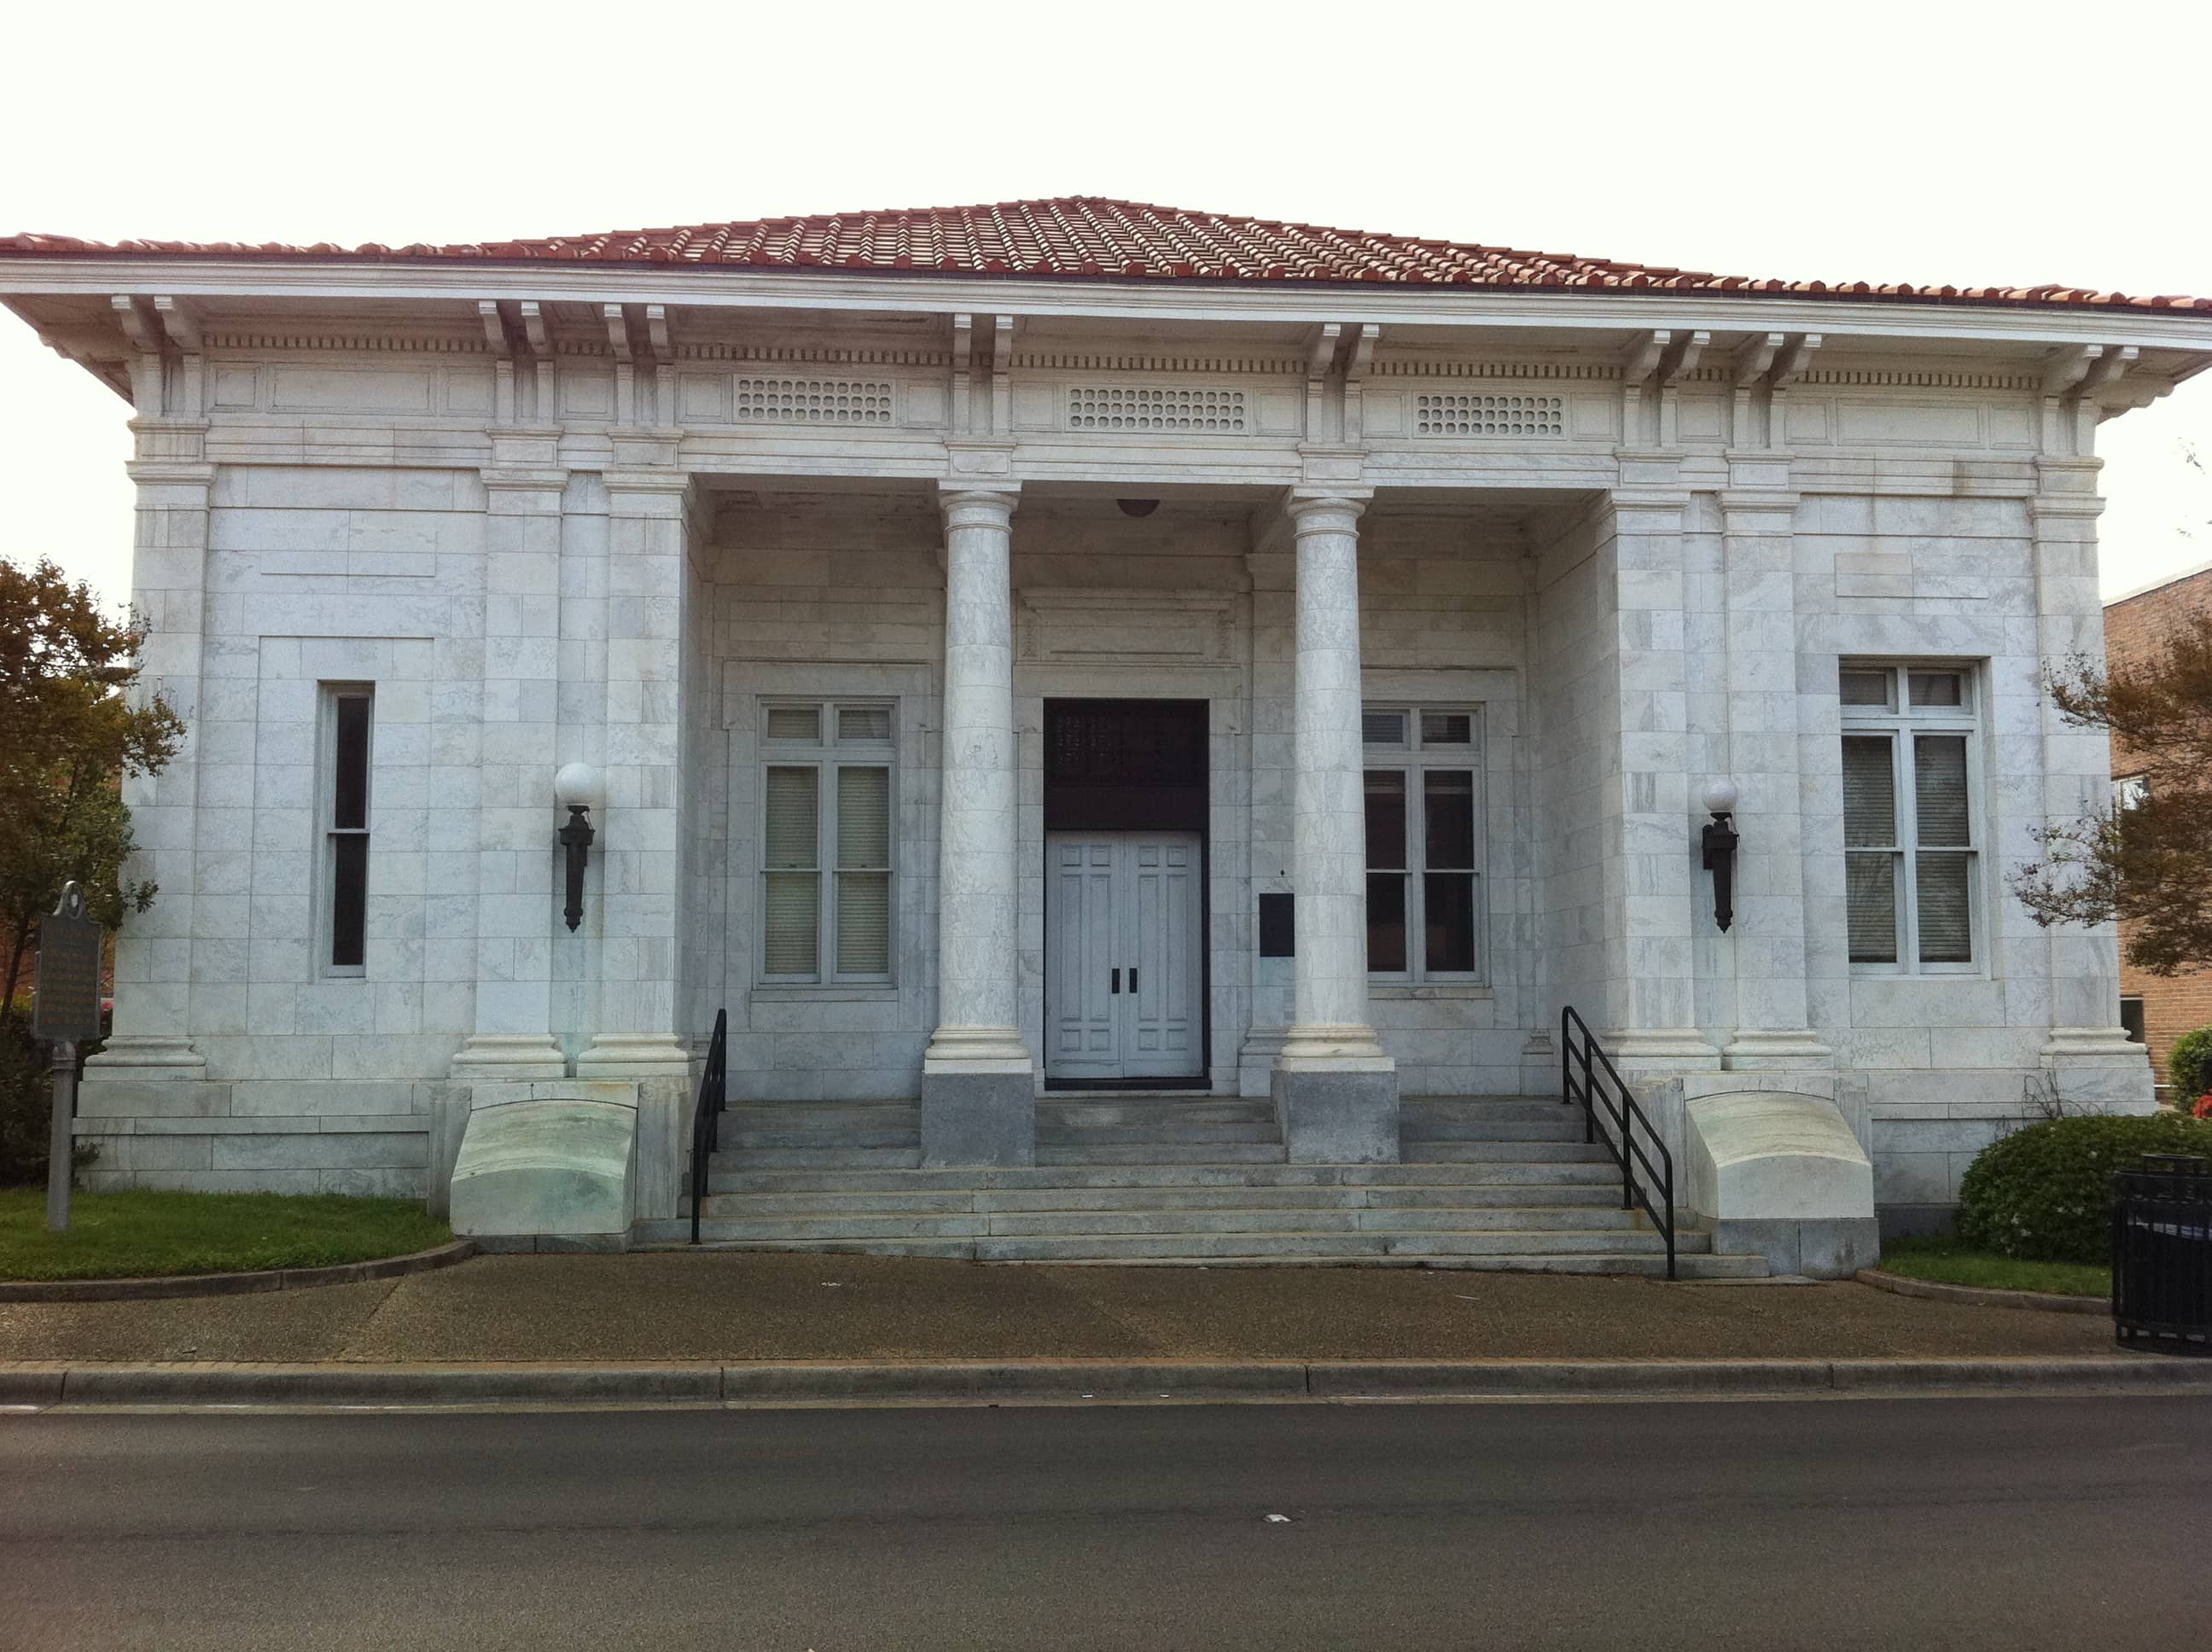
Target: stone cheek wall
x=2134 y=629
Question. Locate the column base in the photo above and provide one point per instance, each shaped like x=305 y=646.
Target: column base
x=978 y=1098
x=488 y=1056
x=1336 y=1096
x=1659 y=1052
x=635 y=1055
x=2099 y=1070
x=978 y=1118
x=137 y=1057
x=1775 y=1049
x=2112 y=1044
x=1255 y=1061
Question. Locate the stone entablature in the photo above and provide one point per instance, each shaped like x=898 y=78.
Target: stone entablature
x=547 y=521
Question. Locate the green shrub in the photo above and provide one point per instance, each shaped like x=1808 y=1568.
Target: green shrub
x=2189 y=1067
x=26 y=1102
x=2044 y=1193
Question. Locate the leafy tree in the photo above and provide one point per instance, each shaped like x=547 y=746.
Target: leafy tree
x=2147 y=861
x=68 y=733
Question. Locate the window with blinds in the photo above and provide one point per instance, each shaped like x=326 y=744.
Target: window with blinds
x=1911 y=843
x=826 y=902
x=1424 y=825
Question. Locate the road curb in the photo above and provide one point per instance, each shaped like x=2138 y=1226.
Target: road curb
x=2047 y=1302
x=150 y=1287
x=712 y=1383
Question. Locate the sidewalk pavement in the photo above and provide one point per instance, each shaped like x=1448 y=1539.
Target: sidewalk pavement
x=740 y=1307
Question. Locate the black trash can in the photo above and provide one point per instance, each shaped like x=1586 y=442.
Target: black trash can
x=2162 y=1254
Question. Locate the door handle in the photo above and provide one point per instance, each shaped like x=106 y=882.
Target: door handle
x=1117 y=981
x=1132 y=977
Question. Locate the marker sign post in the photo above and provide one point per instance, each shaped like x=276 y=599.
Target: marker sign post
x=67 y=1011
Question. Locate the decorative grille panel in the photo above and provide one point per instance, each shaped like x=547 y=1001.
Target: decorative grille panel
x=1109 y=407
x=1468 y=414
x=813 y=401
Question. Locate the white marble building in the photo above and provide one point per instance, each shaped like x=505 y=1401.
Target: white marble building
x=961 y=609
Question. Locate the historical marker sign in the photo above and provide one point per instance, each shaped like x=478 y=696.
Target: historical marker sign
x=66 y=1009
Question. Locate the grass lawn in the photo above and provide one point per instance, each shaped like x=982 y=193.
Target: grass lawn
x=118 y=1235
x=1948 y=1262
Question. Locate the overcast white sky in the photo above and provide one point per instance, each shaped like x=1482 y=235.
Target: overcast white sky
x=1937 y=142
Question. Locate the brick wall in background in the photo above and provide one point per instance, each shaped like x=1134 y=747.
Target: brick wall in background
x=2134 y=627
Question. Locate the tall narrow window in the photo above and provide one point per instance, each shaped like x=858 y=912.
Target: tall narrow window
x=348 y=717
x=1910 y=845
x=826 y=843
x=1423 y=844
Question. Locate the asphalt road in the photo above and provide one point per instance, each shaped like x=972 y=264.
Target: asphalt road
x=2061 y=1523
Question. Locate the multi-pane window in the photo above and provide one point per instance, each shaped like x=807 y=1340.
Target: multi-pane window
x=349 y=713
x=826 y=841
x=1424 y=843
x=1910 y=816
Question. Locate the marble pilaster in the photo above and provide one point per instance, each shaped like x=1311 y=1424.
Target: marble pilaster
x=1648 y=913
x=152 y=1036
x=1759 y=579
x=513 y=1036
x=648 y=578
x=2090 y=1056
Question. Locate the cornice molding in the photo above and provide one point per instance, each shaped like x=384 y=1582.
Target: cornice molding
x=725 y=287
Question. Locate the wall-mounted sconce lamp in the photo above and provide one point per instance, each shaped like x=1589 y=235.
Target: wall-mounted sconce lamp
x=1719 y=840
x=576 y=788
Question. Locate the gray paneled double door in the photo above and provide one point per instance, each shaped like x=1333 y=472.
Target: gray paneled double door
x=1124 y=976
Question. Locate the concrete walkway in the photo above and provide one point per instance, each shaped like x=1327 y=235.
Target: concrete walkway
x=737 y=1306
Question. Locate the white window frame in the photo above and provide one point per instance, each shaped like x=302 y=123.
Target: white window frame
x=826 y=754
x=1901 y=720
x=328 y=831
x=1411 y=758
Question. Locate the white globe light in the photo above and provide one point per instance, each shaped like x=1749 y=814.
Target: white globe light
x=1720 y=797
x=577 y=786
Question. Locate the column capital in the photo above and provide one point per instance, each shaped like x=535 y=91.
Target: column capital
x=513 y=479
x=967 y=505
x=1740 y=501
x=669 y=484
x=169 y=473
x=1326 y=510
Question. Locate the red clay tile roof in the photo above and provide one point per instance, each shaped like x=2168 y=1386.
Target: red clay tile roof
x=1084 y=237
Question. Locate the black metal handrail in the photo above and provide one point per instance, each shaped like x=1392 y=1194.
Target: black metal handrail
x=707 y=1114
x=1623 y=1116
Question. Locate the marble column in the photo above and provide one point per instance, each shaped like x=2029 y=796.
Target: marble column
x=1335 y=1091
x=977 y=1085
x=1759 y=582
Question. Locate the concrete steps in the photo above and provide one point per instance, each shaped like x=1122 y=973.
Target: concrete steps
x=1141 y=1179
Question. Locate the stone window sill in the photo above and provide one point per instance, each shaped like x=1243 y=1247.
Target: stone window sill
x=1429 y=993
x=829 y=993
